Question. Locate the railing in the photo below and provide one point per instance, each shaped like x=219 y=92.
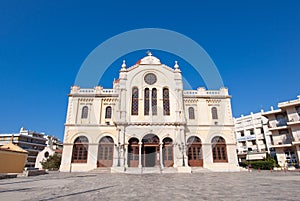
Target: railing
x=205 y=93
x=93 y=91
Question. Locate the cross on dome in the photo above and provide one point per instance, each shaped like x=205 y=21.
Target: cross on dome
x=149 y=53
x=150 y=59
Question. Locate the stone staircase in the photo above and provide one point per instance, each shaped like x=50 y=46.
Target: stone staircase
x=133 y=170
x=101 y=170
x=200 y=170
x=170 y=170
x=151 y=170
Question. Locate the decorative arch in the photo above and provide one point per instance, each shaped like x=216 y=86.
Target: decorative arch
x=105 y=152
x=80 y=150
x=219 y=150
x=195 y=155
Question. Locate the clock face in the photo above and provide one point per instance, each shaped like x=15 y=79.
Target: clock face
x=150 y=78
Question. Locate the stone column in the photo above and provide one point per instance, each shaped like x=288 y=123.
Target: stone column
x=125 y=158
x=161 y=155
x=175 y=156
x=140 y=155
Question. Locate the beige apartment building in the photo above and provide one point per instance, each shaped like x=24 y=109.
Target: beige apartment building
x=284 y=124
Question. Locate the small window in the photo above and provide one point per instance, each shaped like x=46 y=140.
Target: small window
x=191 y=113
x=46 y=154
x=154 y=101
x=242 y=134
x=135 y=101
x=108 y=112
x=84 y=113
x=146 y=102
x=166 y=101
x=214 y=113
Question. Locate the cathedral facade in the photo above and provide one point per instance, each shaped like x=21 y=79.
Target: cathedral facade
x=148 y=122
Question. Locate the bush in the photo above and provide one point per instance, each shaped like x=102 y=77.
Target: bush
x=52 y=163
x=263 y=165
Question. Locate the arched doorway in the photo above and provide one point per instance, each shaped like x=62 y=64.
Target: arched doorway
x=133 y=152
x=195 y=152
x=105 y=152
x=219 y=150
x=168 y=152
x=150 y=151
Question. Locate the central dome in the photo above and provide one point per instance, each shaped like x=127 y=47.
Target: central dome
x=149 y=60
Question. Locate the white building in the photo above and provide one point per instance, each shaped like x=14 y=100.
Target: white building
x=284 y=123
x=148 y=122
x=54 y=146
x=253 y=137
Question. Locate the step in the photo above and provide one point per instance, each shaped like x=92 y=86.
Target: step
x=169 y=170
x=133 y=170
x=102 y=170
x=151 y=170
x=200 y=170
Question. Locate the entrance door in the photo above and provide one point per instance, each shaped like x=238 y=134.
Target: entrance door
x=150 y=156
x=133 y=152
x=105 y=152
x=150 y=151
x=195 y=152
x=168 y=152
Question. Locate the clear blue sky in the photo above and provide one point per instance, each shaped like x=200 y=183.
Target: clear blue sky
x=255 y=45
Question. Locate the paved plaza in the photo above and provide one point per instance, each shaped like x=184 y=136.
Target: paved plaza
x=263 y=185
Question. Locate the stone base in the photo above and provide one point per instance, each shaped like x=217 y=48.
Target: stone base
x=117 y=170
x=185 y=169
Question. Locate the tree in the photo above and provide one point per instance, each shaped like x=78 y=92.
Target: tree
x=52 y=163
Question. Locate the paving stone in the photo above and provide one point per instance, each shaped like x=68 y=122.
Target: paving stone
x=201 y=186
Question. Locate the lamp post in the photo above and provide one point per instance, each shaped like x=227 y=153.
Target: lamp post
x=119 y=146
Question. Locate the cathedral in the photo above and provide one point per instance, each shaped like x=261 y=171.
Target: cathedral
x=148 y=123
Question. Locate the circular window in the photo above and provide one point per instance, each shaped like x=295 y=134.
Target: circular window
x=150 y=78
x=46 y=154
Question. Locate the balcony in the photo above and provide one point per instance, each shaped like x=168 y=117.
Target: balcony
x=245 y=138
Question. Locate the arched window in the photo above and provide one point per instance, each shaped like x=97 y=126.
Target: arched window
x=85 y=112
x=214 y=113
x=154 y=101
x=135 y=101
x=146 y=101
x=80 y=150
x=191 y=113
x=219 y=150
x=108 y=112
x=166 y=101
